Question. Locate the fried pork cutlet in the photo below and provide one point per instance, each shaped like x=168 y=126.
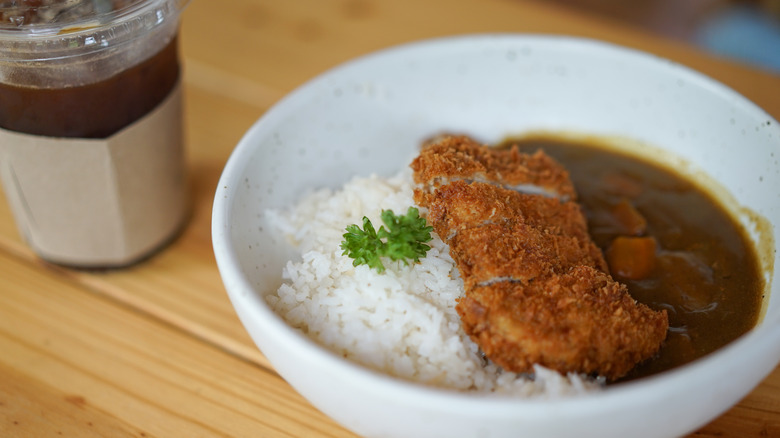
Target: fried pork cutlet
x=454 y=158
x=498 y=234
x=581 y=321
x=537 y=289
x=463 y=204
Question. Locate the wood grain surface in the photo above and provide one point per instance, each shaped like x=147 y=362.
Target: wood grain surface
x=156 y=350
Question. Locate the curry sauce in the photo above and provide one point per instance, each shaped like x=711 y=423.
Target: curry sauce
x=703 y=268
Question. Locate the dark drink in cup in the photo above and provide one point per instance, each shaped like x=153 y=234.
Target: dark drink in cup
x=91 y=145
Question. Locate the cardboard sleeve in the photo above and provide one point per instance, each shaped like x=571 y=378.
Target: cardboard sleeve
x=99 y=202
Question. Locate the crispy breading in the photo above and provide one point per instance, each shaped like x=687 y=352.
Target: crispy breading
x=496 y=233
x=452 y=158
x=462 y=204
x=581 y=322
x=516 y=252
x=537 y=289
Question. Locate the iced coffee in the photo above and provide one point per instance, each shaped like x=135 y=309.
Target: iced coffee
x=91 y=145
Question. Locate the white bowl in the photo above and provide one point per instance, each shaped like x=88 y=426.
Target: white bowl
x=370 y=115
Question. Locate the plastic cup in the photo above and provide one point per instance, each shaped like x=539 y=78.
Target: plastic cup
x=91 y=144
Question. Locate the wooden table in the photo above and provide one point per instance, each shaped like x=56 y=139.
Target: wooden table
x=156 y=349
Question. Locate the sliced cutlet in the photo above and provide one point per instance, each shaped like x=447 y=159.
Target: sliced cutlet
x=537 y=289
x=453 y=158
x=497 y=234
x=581 y=321
x=515 y=252
x=467 y=204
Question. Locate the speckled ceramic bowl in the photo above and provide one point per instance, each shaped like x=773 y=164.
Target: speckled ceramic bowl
x=369 y=115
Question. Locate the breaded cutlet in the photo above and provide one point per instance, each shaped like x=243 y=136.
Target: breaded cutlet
x=516 y=252
x=580 y=322
x=537 y=289
x=454 y=158
x=461 y=204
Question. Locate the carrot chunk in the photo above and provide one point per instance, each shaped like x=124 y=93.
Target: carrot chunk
x=632 y=257
x=629 y=219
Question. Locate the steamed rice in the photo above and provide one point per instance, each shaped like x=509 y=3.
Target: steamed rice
x=402 y=322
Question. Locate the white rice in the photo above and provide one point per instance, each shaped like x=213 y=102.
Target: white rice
x=402 y=322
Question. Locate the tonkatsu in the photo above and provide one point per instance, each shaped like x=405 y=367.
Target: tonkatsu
x=537 y=289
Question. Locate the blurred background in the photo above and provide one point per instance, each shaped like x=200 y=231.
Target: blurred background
x=744 y=30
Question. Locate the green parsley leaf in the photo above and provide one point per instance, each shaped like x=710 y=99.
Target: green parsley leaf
x=404 y=240
x=363 y=245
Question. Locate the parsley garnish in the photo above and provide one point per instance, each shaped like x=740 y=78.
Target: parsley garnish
x=404 y=239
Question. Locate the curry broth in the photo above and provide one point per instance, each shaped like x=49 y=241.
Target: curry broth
x=706 y=272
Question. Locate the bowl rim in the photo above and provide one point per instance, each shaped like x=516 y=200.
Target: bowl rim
x=727 y=359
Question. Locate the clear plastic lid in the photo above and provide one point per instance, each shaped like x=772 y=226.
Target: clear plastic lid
x=55 y=43
x=56 y=13
x=37 y=29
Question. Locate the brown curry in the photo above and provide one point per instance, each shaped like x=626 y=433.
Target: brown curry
x=670 y=242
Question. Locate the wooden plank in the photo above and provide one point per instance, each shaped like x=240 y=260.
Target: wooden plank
x=146 y=368
x=84 y=363
x=283 y=44
x=30 y=408
x=741 y=422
